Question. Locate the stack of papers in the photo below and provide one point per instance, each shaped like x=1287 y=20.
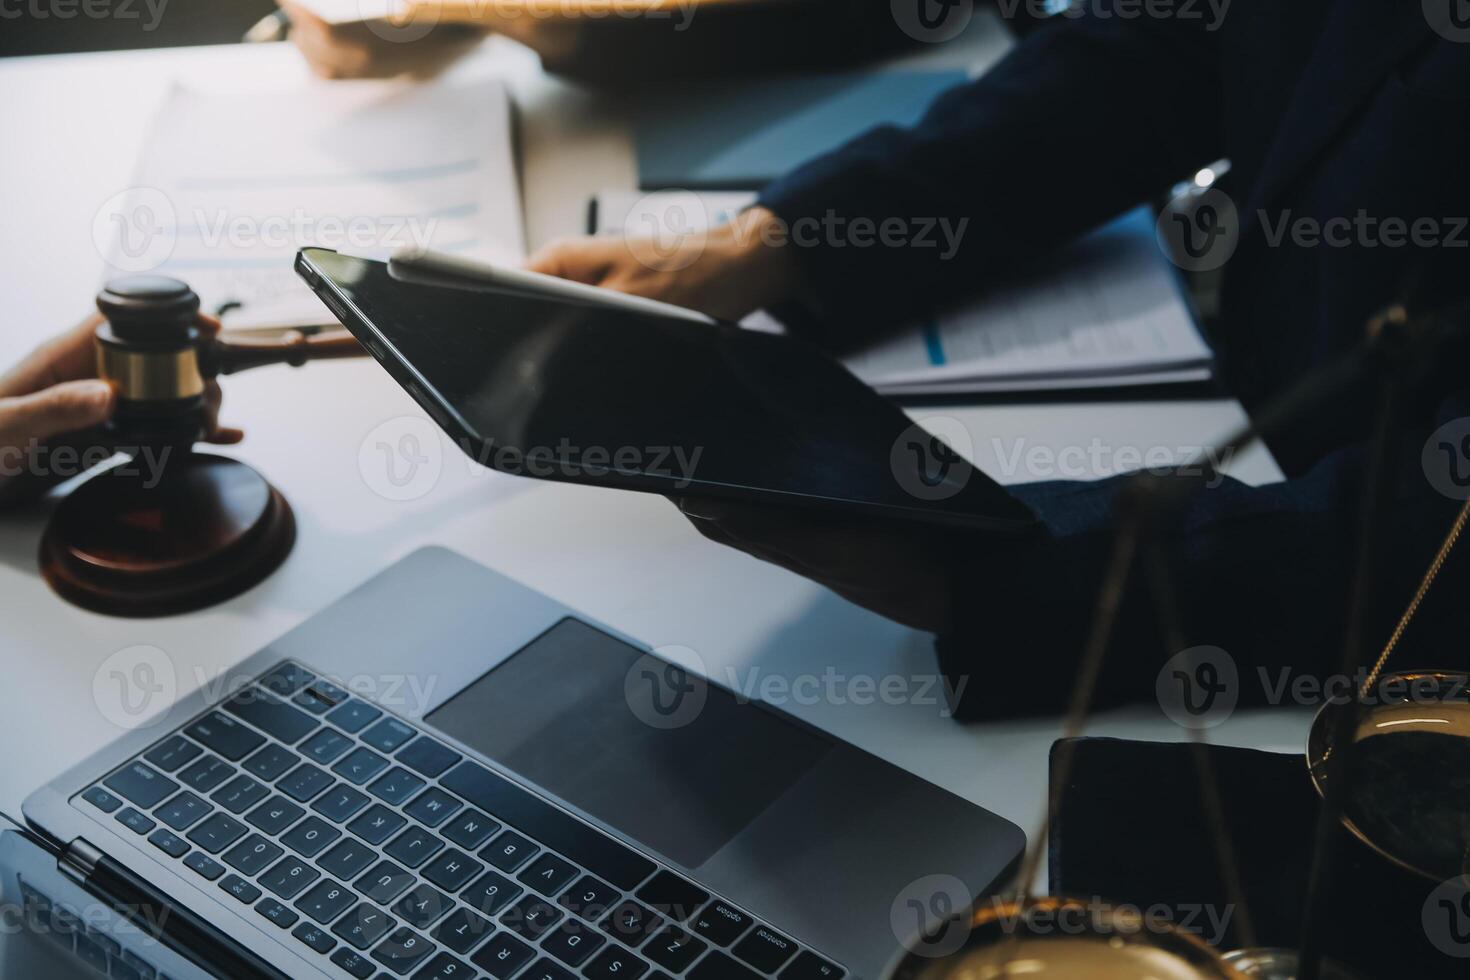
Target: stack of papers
x=1107 y=311
x=231 y=185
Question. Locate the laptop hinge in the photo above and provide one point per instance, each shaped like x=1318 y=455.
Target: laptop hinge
x=79 y=860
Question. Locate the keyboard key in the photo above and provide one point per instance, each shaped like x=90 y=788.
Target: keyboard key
x=173 y=752
x=432 y=807
x=286 y=680
x=590 y=898
x=463 y=929
x=326 y=746
x=531 y=917
x=141 y=784
x=509 y=851
x=101 y=799
x=502 y=955
x=315 y=937
x=376 y=824
x=428 y=757
x=360 y=765
x=348 y=859
x=470 y=829
x=396 y=786
x=387 y=735
x=490 y=893
x=271 y=761
x=673 y=896
x=422 y=906
x=271 y=715
x=443 y=967
x=327 y=900
x=615 y=963
x=674 y=949
x=364 y=925
x=224 y=736
x=573 y=942
x=721 y=924
x=544 y=969
x=289 y=877
x=240 y=888
x=352 y=716
x=169 y=843
x=719 y=966
x=274 y=815
x=385 y=882
x=403 y=950
x=631 y=923
x=204 y=866
x=91 y=953
x=354 y=963
x=304 y=782
x=239 y=794
x=277 y=913
x=599 y=854
x=311 y=836
x=340 y=803
x=182 y=811
x=320 y=697
x=217 y=833
x=765 y=949
x=205 y=774
x=452 y=870
x=251 y=855
x=548 y=874
x=810 y=966
x=413 y=847
x=135 y=821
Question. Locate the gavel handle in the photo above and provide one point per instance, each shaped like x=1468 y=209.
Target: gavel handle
x=228 y=354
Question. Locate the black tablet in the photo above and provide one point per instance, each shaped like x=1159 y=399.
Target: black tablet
x=558 y=390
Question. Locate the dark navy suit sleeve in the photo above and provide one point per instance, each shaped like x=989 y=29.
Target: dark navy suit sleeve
x=1261 y=572
x=1084 y=119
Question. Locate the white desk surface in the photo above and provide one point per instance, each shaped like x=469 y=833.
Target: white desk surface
x=72 y=129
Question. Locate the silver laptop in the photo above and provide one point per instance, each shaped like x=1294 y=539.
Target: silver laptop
x=448 y=775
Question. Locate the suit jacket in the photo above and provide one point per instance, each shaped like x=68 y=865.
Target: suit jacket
x=1328 y=109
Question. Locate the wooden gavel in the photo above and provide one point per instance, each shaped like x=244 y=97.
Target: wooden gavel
x=152 y=350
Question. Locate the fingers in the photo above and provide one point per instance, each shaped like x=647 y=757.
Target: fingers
x=68 y=357
x=587 y=260
x=329 y=52
x=213 y=432
x=61 y=408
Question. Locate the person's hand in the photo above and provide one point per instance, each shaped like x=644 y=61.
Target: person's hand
x=55 y=395
x=728 y=272
x=898 y=572
x=371 y=50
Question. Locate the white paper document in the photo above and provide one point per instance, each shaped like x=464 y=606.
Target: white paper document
x=231 y=185
x=1107 y=311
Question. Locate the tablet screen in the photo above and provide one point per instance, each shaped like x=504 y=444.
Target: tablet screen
x=548 y=389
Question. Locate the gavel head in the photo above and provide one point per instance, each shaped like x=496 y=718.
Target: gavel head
x=149 y=348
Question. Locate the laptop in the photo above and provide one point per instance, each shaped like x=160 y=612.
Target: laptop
x=446 y=775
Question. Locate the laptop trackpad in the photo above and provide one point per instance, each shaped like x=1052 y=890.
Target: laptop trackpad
x=669 y=760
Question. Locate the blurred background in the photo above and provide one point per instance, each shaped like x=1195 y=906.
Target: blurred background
x=27 y=28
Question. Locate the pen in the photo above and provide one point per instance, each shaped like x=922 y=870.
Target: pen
x=417 y=264
x=169 y=922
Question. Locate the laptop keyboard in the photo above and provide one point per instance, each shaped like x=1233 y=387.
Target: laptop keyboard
x=388 y=854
